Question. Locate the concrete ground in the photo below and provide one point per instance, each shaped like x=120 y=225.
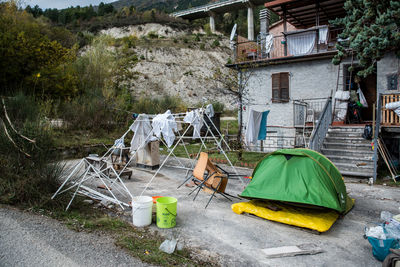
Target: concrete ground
x=28 y=239
x=238 y=239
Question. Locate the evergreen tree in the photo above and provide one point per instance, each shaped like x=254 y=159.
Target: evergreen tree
x=372 y=27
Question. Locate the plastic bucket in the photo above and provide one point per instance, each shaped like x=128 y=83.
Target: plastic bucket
x=141 y=211
x=166 y=212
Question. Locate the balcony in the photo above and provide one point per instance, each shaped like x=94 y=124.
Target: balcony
x=312 y=41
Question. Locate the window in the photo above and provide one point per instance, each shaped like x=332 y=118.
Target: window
x=392 y=81
x=280 y=87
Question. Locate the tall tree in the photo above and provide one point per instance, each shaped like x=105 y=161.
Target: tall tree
x=372 y=27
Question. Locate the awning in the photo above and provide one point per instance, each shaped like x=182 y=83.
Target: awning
x=303 y=14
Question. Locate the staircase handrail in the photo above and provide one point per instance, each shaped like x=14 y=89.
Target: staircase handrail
x=320 y=131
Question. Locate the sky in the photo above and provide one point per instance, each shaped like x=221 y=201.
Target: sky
x=60 y=4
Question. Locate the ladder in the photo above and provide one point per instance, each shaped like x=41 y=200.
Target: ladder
x=309 y=118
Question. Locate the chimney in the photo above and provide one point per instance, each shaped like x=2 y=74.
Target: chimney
x=264 y=21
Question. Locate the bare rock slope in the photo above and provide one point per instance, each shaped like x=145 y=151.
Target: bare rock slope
x=178 y=63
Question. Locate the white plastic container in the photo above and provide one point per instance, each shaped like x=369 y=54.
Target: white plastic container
x=141 y=211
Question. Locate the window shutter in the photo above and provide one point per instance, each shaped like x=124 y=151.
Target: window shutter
x=276 y=94
x=284 y=86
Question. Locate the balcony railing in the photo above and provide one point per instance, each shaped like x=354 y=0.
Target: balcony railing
x=255 y=50
x=389 y=117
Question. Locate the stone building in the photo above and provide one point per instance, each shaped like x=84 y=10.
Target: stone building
x=296 y=81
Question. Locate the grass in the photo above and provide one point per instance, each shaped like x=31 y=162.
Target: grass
x=231 y=126
x=139 y=242
x=81 y=138
x=249 y=158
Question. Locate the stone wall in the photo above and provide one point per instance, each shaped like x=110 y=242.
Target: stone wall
x=389 y=65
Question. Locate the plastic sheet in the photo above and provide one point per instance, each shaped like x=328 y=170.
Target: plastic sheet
x=320 y=220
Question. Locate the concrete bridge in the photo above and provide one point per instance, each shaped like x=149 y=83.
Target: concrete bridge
x=221 y=7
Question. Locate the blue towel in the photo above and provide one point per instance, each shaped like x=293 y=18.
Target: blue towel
x=262 y=133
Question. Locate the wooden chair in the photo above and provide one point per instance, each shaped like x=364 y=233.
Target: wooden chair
x=209 y=178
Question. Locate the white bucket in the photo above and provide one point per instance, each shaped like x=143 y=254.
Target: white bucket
x=142 y=211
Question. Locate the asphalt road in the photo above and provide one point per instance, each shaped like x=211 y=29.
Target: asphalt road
x=31 y=240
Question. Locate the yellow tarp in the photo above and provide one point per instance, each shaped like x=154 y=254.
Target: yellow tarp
x=319 y=220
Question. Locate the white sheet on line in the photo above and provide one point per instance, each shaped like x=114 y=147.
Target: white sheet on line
x=323 y=35
x=301 y=43
x=253 y=127
x=165 y=124
x=142 y=129
x=194 y=118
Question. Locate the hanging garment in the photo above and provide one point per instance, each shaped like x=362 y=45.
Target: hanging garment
x=323 y=35
x=301 y=43
x=165 y=124
x=210 y=111
x=142 y=132
x=254 y=126
x=262 y=134
x=269 y=43
x=194 y=118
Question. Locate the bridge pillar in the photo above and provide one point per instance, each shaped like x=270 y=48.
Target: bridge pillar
x=250 y=24
x=212 y=22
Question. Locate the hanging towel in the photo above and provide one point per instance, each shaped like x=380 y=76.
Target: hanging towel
x=301 y=43
x=262 y=133
x=253 y=129
x=323 y=35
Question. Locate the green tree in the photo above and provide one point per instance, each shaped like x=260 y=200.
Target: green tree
x=28 y=56
x=372 y=27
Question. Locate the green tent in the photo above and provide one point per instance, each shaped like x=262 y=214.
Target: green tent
x=299 y=176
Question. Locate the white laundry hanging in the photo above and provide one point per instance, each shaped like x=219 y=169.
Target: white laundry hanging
x=165 y=124
x=210 y=110
x=142 y=131
x=194 y=118
x=301 y=43
x=323 y=35
x=269 y=43
x=253 y=127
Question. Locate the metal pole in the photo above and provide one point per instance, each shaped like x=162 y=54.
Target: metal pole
x=377 y=127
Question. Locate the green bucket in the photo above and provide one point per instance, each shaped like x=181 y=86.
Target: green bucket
x=166 y=212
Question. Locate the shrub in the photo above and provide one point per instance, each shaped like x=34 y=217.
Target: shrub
x=152 y=35
x=27 y=181
x=158 y=105
x=215 y=43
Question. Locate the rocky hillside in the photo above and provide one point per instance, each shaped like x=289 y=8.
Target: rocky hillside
x=167 y=5
x=178 y=63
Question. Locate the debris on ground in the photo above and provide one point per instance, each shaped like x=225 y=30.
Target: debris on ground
x=168 y=246
x=385 y=236
x=290 y=251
